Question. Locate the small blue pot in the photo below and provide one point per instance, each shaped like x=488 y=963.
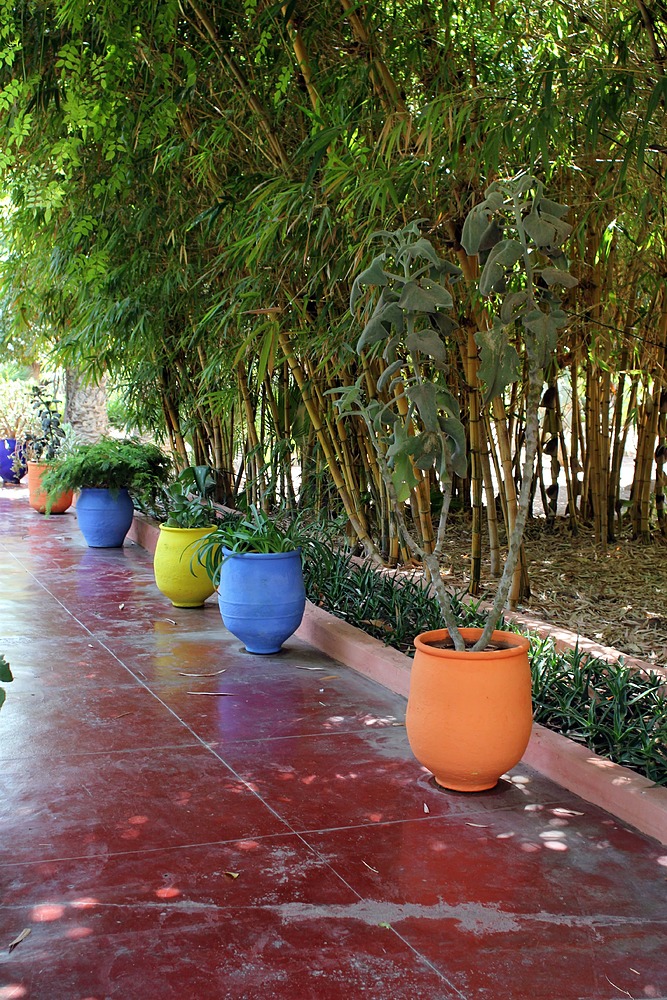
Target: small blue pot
x=262 y=597
x=104 y=517
x=7 y=449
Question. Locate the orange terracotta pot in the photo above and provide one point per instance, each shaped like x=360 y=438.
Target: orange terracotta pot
x=37 y=496
x=469 y=715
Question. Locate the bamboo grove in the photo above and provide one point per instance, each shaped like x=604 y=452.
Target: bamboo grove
x=190 y=188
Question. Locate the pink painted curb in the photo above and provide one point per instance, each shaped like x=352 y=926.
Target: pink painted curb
x=620 y=791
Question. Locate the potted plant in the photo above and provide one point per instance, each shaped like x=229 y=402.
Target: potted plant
x=256 y=566
x=42 y=447
x=190 y=518
x=470 y=689
x=16 y=420
x=105 y=473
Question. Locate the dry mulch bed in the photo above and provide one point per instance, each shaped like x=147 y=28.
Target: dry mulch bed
x=617 y=598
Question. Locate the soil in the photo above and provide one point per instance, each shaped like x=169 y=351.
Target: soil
x=617 y=597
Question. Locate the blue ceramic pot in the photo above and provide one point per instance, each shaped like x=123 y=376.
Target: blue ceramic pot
x=104 y=517
x=7 y=449
x=262 y=597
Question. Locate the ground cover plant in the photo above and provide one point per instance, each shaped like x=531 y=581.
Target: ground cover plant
x=617 y=712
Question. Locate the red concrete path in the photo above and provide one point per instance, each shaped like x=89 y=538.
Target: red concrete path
x=277 y=841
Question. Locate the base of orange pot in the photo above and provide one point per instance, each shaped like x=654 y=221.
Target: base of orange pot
x=454 y=786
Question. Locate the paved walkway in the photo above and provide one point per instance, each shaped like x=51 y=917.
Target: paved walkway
x=180 y=820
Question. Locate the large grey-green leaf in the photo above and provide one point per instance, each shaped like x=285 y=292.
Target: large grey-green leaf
x=504 y=254
x=446 y=401
x=427 y=297
x=512 y=307
x=427 y=450
x=541 y=232
x=443 y=323
x=492 y=235
x=427 y=342
x=499 y=361
x=474 y=227
x=556 y=276
x=388 y=372
x=455 y=439
x=544 y=329
x=399 y=457
x=553 y=208
x=493 y=197
x=421 y=249
x=373 y=275
x=381 y=324
x=424 y=398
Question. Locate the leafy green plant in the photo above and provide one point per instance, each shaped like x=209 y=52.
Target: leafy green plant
x=44 y=444
x=108 y=464
x=188 y=501
x=255 y=531
x=5 y=677
x=411 y=414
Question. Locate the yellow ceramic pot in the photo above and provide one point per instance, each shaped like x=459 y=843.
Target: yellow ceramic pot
x=178 y=575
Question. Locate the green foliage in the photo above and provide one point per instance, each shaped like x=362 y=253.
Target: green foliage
x=391 y=609
x=518 y=206
x=5 y=677
x=406 y=320
x=255 y=531
x=44 y=445
x=188 y=502
x=616 y=711
x=108 y=464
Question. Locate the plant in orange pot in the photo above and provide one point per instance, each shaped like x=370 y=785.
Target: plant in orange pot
x=469 y=714
x=41 y=448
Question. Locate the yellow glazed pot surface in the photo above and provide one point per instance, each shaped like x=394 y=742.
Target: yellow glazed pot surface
x=178 y=575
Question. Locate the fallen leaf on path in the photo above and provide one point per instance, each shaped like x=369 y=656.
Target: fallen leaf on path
x=215 y=673
x=370 y=867
x=213 y=694
x=17 y=940
x=232 y=874
x=482 y=826
x=426 y=808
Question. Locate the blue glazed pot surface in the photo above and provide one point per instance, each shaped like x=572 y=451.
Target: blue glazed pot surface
x=7 y=449
x=104 y=517
x=262 y=598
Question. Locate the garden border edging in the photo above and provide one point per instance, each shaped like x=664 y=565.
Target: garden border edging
x=625 y=794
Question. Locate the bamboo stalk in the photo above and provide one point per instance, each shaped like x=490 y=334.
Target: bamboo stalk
x=357 y=519
x=253 y=439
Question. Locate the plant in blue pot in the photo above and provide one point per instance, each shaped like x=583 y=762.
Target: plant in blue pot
x=256 y=566
x=17 y=419
x=107 y=473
